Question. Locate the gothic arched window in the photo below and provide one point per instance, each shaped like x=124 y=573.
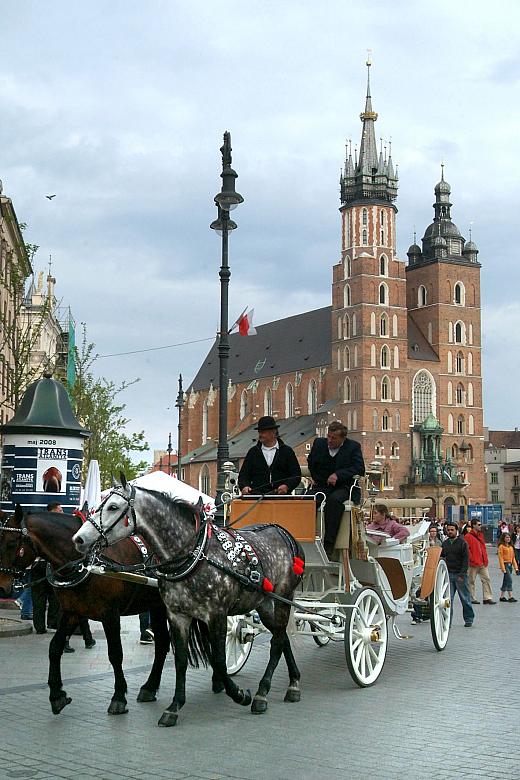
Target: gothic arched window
x=289 y=400
x=205 y=421
x=423 y=395
x=421 y=295
x=268 y=401
x=312 y=397
x=384 y=325
x=244 y=405
x=205 y=480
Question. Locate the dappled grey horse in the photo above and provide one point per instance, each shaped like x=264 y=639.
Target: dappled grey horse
x=205 y=574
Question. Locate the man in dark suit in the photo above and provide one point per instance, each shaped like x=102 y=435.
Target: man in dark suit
x=270 y=466
x=334 y=461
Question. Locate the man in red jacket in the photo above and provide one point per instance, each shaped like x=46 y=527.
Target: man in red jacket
x=478 y=563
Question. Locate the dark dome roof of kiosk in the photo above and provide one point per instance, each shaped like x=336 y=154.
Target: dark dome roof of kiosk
x=45 y=408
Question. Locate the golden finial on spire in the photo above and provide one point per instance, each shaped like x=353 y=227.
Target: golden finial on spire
x=369 y=58
x=442 y=171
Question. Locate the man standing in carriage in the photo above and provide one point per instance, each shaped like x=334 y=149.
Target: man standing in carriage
x=270 y=466
x=334 y=461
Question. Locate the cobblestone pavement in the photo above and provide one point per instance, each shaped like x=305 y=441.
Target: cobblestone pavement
x=430 y=715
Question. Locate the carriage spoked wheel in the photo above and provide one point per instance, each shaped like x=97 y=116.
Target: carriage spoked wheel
x=366 y=637
x=237 y=651
x=336 y=626
x=440 y=606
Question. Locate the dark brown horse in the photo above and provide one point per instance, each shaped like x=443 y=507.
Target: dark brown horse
x=49 y=535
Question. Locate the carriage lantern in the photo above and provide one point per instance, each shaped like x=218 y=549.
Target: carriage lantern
x=226 y=200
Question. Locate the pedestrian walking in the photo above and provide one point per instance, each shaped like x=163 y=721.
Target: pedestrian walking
x=455 y=553
x=478 y=563
x=515 y=541
x=507 y=562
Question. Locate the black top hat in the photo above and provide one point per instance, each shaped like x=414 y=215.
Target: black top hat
x=266 y=424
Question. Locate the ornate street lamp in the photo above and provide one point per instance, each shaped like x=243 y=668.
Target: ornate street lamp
x=226 y=200
x=179 y=403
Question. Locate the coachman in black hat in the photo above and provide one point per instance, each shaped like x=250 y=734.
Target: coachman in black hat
x=270 y=466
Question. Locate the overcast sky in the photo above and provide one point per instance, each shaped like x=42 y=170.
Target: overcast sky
x=119 y=108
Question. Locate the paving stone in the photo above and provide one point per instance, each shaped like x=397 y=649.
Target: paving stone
x=438 y=716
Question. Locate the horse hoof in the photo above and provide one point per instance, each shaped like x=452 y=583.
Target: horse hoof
x=217 y=687
x=146 y=695
x=259 y=705
x=292 y=695
x=58 y=704
x=168 y=719
x=117 y=708
x=245 y=699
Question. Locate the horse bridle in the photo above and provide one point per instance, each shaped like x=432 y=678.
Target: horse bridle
x=127 y=511
x=24 y=532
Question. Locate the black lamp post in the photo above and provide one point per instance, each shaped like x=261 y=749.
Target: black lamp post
x=169 y=451
x=226 y=200
x=179 y=403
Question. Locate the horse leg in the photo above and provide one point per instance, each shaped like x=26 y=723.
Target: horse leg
x=179 y=627
x=149 y=690
x=57 y=696
x=293 y=691
x=276 y=623
x=218 y=631
x=112 y=629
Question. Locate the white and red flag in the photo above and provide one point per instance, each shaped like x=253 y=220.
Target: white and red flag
x=245 y=323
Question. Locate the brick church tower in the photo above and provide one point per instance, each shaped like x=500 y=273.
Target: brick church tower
x=369 y=318
x=443 y=296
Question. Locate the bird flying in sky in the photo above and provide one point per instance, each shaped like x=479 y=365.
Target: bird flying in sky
x=50 y=197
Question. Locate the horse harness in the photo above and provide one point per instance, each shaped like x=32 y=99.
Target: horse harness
x=24 y=533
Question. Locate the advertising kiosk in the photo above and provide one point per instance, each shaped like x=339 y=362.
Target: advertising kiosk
x=43 y=450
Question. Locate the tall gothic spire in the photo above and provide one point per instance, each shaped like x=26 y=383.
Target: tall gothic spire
x=369 y=177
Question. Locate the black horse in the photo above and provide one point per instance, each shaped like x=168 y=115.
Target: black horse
x=207 y=575
x=49 y=535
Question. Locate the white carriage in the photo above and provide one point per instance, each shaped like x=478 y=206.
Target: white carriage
x=356 y=599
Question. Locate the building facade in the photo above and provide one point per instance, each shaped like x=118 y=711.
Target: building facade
x=15 y=269
x=396 y=357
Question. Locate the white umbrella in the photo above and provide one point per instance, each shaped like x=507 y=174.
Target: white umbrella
x=91 y=493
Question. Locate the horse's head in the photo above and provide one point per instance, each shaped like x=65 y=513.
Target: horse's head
x=16 y=549
x=114 y=519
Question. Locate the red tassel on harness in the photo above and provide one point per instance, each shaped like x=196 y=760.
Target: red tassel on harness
x=267 y=585
x=79 y=514
x=298 y=565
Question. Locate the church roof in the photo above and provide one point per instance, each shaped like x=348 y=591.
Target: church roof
x=419 y=348
x=292 y=344
x=507 y=439
x=294 y=431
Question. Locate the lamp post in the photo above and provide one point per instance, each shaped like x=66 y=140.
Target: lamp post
x=226 y=200
x=169 y=451
x=179 y=403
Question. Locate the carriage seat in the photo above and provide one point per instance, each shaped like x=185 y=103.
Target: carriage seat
x=418 y=531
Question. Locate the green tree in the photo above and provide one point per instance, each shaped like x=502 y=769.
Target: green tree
x=95 y=405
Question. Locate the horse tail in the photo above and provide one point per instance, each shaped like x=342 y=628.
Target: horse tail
x=199 y=647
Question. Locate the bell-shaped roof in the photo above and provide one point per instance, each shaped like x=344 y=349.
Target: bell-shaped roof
x=430 y=423
x=46 y=409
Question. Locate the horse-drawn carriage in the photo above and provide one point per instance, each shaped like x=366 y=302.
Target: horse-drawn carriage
x=356 y=598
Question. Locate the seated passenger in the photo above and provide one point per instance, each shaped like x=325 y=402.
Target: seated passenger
x=382 y=521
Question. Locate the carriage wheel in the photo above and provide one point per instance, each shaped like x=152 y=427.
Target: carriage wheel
x=319 y=637
x=337 y=625
x=366 y=637
x=237 y=651
x=440 y=607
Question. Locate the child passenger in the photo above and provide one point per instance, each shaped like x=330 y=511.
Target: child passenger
x=382 y=521
x=507 y=562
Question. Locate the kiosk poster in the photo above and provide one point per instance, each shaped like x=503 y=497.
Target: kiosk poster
x=37 y=470
x=51 y=471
